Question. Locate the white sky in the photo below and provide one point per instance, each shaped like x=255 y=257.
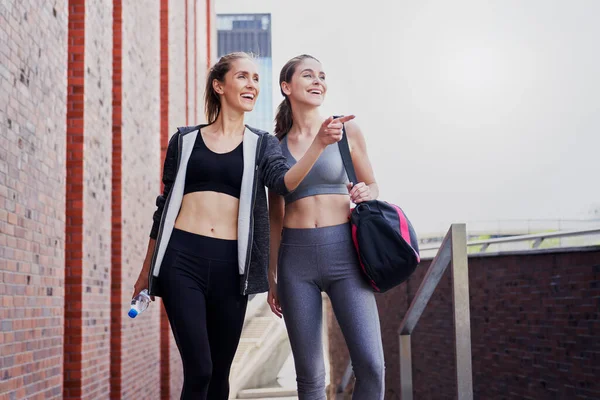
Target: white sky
x=473 y=111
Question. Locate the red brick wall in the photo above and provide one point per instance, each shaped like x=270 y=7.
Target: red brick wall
x=92 y=90
x=33 y=83
x=140 y=184
x=534 y=324
x=177 y=116
x=97 y=200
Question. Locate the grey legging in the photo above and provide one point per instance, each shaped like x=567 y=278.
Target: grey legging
x=324 y=259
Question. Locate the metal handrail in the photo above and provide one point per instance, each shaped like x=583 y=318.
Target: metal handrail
x=537 y=237
x=453 y=251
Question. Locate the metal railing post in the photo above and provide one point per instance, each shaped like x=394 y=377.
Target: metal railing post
x=462 y=315
x=406 y=385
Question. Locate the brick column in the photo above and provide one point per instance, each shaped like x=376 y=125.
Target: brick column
x=74 y=201
x=88 y=196
x=195 y=62
x=116 y=313
x=165 y=329
x=187 y=86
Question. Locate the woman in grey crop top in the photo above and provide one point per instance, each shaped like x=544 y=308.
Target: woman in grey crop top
x=311 y=241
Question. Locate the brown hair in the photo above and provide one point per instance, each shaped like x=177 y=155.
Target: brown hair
x=212 y=101
x=284 y=119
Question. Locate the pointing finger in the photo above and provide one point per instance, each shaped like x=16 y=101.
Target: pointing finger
x=345 y=119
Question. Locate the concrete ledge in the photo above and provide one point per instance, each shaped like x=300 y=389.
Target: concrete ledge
x=267 y=393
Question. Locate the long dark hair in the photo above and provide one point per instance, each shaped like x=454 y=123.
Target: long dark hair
x=284 y=118
x=212 y=101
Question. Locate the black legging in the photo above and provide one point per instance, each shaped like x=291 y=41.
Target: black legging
x=199 y=283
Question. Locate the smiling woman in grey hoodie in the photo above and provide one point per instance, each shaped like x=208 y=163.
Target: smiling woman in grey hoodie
x=209 y=243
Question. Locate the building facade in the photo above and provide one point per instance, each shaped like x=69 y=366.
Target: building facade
x=251 y=33
x=91 y=92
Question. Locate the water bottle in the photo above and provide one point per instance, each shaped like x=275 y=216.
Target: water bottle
x=139 y=303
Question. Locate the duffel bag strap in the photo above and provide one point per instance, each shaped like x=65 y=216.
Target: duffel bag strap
x=346 y=157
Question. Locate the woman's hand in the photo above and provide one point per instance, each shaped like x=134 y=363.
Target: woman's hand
x=141 y=284
x=273 y=299
x=331 y=130
x=359 y=192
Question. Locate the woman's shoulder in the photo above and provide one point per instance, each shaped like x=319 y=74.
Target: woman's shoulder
x=270 y=141
x=354 y=132
x=257 y=131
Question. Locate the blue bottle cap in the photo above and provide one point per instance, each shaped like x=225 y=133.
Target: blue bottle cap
x=132 y=313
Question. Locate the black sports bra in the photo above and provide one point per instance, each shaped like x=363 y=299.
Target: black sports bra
x=208 y=171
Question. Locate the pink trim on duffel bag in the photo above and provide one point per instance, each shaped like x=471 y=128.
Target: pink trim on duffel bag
x=355 y=240
x=404 y=232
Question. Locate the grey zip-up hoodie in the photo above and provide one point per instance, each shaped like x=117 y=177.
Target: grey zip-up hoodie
x=264 y=165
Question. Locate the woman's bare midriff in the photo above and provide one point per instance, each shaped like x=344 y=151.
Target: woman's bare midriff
x=209 y=214
x=317 y=211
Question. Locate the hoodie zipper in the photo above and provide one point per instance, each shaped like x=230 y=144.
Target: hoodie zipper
x=251 y=235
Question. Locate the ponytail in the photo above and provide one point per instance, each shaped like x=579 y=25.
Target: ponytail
x=283 y=119
x=212 y=102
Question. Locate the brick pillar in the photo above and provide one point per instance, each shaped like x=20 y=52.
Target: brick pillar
x=165 y=330
x=116 y=312
x=74 y=201
x=88 y=196
x=195 y=63
x=187 y=86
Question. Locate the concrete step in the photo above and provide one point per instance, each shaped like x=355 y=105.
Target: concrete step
x=255 y=304
x=263 y=367
x=286 y=378
x=268 y=393
x=262 y=351
x=269 y=398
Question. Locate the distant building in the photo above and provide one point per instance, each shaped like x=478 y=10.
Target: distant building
x=251 y=33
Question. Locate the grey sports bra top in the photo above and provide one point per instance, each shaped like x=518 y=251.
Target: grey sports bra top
x=327 y=176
